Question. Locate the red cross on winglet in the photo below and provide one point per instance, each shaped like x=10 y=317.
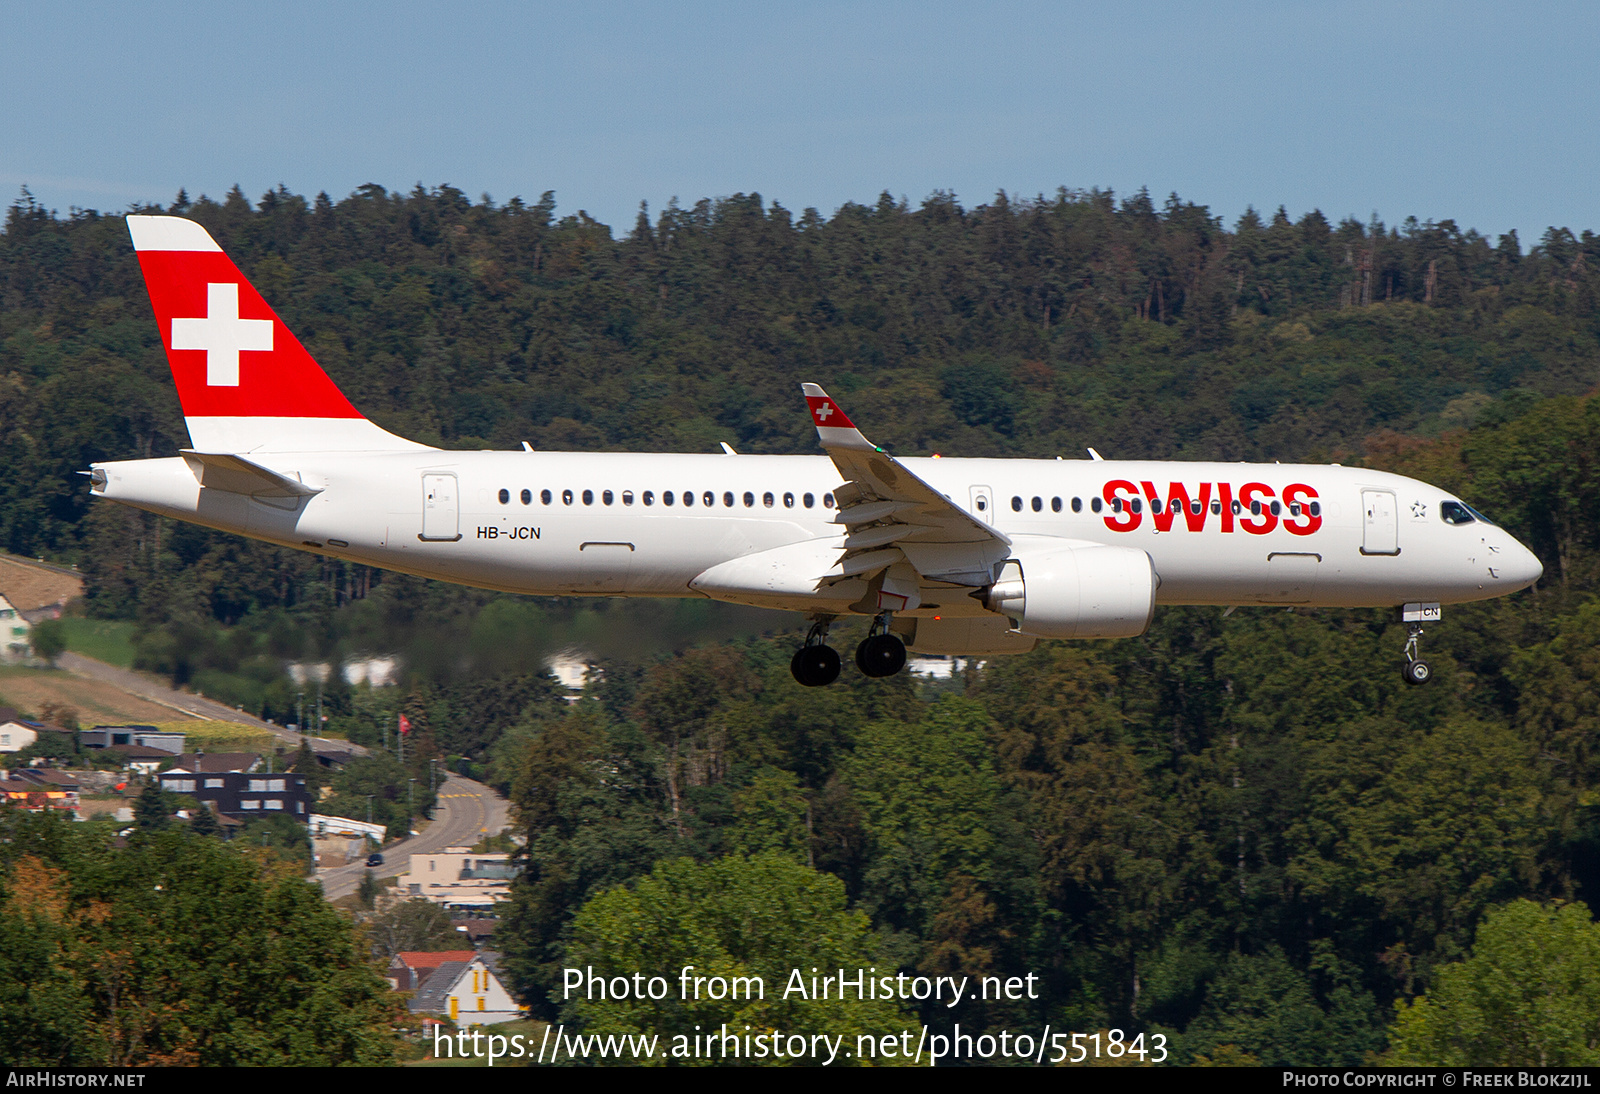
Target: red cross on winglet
x=834 y=427
x=824 y=411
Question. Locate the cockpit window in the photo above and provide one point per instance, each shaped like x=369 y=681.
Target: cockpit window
x=1454 y=512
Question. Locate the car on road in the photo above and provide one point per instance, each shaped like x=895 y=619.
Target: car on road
x=374 y=860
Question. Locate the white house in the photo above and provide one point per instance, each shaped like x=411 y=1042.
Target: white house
x=469 y=992
x=16 y=735
x=15 y=644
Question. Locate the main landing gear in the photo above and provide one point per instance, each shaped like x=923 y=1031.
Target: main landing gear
x=815 y=664
x=881 y=653
x=1416 y=671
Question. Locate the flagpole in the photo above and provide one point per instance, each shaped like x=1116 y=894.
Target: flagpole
x=401 y=734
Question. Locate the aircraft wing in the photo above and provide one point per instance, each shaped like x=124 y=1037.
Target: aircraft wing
x=890 y=514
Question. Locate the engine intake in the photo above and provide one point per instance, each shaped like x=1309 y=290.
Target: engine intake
x=1083 y=591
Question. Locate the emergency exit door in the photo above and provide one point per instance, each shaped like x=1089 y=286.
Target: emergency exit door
x=1380 y=527
x=441 y=510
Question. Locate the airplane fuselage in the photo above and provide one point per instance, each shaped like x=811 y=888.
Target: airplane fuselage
x=650 y=525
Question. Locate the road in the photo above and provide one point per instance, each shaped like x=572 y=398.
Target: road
x=151 y=689
x=466 y=812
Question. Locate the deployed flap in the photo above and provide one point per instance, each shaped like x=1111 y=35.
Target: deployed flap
x=886 y=506
x=237 y=475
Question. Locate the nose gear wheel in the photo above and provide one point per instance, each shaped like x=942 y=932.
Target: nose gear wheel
x=1416 y=671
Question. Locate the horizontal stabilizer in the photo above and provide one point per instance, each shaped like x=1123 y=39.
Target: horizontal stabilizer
x=237 y=475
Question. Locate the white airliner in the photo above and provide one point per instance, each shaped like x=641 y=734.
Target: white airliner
x=946 y=556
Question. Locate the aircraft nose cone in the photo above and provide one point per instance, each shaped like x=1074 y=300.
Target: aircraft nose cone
x=1525 y=567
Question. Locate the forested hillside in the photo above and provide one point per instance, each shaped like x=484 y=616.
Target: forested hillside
x=1244 y=831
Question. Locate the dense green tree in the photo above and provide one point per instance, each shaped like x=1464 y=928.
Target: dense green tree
x=48 y=639
x=731 y=918
x=416 y=924
x=1264 y=1006
x=174 y=950
x=284 y=838
x=1527 y=996
x=153 y=810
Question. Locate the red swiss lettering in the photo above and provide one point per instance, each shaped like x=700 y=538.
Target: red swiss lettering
x=1254 y=496
x=1298 y=494
x=1127 y=520
x=1160 y=515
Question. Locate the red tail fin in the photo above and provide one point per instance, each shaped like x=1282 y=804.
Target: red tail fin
x=245 y=382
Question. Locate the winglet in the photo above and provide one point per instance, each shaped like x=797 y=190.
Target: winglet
x=834 y=427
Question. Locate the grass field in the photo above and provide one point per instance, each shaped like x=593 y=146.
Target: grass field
x=108 y=640
x=97 y=703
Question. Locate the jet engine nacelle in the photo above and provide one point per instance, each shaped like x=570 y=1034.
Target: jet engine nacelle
x=1075 y=591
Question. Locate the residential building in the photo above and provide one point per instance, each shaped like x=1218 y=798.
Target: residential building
x=409 y=969
x=138 y=758
x=17 y=733
x=459 y=877
x=15 y=641
x=215 y=763
x=148 y=736
x=49 y=779
x=37 y=797
x=468 y=992
x=243 y=794
x=476 y=929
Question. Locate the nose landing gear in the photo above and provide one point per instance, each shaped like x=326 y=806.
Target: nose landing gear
x=1416 y=671
x=882 y=653
x=816 y=664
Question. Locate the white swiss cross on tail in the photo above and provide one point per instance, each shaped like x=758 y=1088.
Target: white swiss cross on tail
x=212 y=322
x=222 y=334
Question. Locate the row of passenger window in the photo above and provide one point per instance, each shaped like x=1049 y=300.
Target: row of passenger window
x=1137 y=504
x=769 y=500
x=707 y=498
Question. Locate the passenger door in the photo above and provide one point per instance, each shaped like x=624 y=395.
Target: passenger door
x=1380 y=528
x=441 y=510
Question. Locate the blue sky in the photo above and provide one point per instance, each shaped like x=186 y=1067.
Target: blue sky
x=1485 y=113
